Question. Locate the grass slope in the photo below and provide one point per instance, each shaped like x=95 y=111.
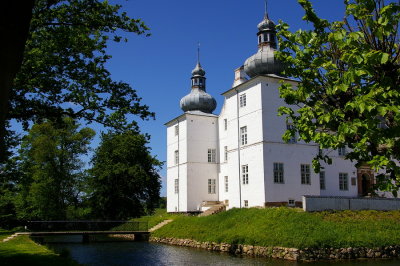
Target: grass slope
x=156 y=218
x=288 y=227
x=23 y=251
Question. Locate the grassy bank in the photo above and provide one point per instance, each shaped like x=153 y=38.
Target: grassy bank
x=290 y=228
x=156 y=218
x=23 y=251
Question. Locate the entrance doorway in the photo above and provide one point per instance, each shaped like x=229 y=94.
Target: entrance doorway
x=365 y=180
x=365 y=185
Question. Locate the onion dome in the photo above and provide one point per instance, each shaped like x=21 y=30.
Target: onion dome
x=264 y=61
x=198 y=99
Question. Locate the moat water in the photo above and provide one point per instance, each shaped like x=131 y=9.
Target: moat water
x=145 y=253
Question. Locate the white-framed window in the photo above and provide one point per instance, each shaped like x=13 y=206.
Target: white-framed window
x=278 y=173
x=342 y=151
x=176 y=157
x=225 y=124
x=176 y=130
x=293 y=138
x=226 y=184
x=343 y=181
x=225 y=153
x=246 y=203
x=245 y=174
x=211 y=186
x=211 y=155
x=243 y=135
x=242 y=100
x=305 y=174
x=322 y=180
x=176 y=183
x=291 y=203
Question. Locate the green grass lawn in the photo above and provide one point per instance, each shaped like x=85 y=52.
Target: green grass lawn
x=23 y=251
x=289 y=227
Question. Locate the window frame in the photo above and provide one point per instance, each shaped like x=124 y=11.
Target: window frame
x=212 y=155
x=245 y=174
x=225 y=124
x=305 y=174
x=278 y=173
x=293 y=139
x=243 y=135
x=342 y=151
x=226 y=183
x=212 y=186
x=343 y=181
x=242 y=100
x=177 y=130
x=225 y=153
x=176 y=155
x=322 y=180
x=176 y=185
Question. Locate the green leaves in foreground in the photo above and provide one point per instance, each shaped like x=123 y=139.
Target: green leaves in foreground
x=349 y=79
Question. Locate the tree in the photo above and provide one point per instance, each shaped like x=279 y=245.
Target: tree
x=349 y=84
x=63 y=69
x=124 y=181
x=51 y=169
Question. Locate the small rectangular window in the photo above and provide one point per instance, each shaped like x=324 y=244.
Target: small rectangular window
x=245 y=174
x=291 y=203
x=292 y=139
x=211 y=186
x=226 y=184
x=246 y=203
x=176 y=130
x=242 y=100
x=305 y=174
x=225 y=124
x=176 y=157
x=176 y=186
x=353 y=181
x=226 y=153
x=322 y=180
x=211 y=155
x=278 y=173
x=343 y=181
x=342 y=151
x=243 y=135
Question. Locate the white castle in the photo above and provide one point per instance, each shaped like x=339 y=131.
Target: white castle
x=238 y=157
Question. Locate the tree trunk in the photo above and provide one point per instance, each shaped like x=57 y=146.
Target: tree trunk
x=15 y=19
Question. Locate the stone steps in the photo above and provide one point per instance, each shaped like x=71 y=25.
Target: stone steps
x=10 y=237
x=213 y=210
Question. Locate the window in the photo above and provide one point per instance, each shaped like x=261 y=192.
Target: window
x=343 y=181
x=305 y=174
x=278 y=173
x=242 y=100
x=211 y=186
x=226 y=184
x=176 y=157
x=176 y=130
x=322 y=180
x=245 y=174
x=353 y=181
x=342 y=151
x=226 y=153
x=211 y=155
x=291 y=203
x=292 y=138
x=176 y=186
x=246 y=203
x=243 y=135
x=225 y=124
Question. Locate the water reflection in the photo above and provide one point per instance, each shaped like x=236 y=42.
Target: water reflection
x=143 y=253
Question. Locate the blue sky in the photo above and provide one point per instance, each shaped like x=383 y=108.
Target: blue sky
x=159 y=67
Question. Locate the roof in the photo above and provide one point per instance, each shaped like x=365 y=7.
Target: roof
x=198 y=113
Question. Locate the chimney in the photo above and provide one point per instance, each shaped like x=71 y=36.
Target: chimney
x=240 y=76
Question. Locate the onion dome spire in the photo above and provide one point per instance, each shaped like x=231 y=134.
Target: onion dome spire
x=264 y=61
x=198 y=99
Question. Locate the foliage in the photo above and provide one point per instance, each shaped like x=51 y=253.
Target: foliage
x=51 y=169
x=348 y=91
x=23 y=251
x=124 y=182
x=287 y=227
x=63 y=70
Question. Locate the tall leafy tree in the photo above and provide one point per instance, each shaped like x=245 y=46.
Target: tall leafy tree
x=51 y=169
x=349 y=77
x=124 y=180
x=61 y=62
